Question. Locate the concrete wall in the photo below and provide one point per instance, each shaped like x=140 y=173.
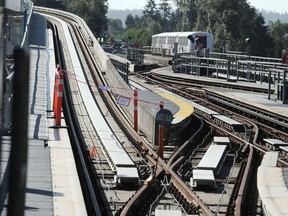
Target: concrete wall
x=146 y=123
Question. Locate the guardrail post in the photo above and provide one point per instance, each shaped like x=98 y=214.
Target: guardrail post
x=217 y=66
x=261 y=72
x=269 y=85
x=285 y=98
x=238 y=65
x=228 y=68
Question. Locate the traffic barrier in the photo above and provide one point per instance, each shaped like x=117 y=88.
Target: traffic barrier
x=58 y=94
x=93 y=152
x=57 y=71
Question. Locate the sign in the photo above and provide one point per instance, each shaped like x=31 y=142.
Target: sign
x=123 y=100
x=164 y=117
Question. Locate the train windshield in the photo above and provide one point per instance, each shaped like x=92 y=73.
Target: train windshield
x=201 y=41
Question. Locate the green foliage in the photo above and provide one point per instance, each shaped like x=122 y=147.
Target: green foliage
x=93 y=12
x=279 y=33
x=156 y=19
x=133 y=22
x=231 y=22
x=115 y=26
x=139 y=36
x=187 y=11
x=151 y=11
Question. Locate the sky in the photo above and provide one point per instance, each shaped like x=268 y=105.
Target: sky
x=280 y=6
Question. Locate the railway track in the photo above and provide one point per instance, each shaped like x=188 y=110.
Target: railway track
x=277 y=124
x=203 y=83
x=118 y=115
x=168 y=175
x=99 y=165
x=251 y=164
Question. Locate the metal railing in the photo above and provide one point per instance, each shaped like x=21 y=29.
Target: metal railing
x=235 y=67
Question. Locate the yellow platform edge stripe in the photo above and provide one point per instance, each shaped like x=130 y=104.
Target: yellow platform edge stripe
x=185 y=109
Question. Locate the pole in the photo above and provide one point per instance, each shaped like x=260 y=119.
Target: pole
x=284 y=94
x=135 y=94
x=269 y=85
x=19 y=147
x=161 y=134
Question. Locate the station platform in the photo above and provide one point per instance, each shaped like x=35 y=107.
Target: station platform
x=151 y=97
x=254 y=99
x=53 y=186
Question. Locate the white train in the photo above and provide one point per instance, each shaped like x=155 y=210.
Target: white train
x=188 y=42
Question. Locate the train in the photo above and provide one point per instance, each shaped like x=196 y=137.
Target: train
x=188 y=42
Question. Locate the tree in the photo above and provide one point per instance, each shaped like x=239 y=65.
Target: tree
x=149 y=9
x=93 y=12
x=130 y=21
x=165 y=13
x=155 y=28
x=231 y=22
x=279 y=33
x=115 y=26
x=186 y=14
x=139 y=36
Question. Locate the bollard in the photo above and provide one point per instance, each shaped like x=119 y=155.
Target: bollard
x=135 y=94
x=59 y=98
x=93 y=152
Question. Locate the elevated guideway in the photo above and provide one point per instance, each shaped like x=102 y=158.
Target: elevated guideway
x=53 y=186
